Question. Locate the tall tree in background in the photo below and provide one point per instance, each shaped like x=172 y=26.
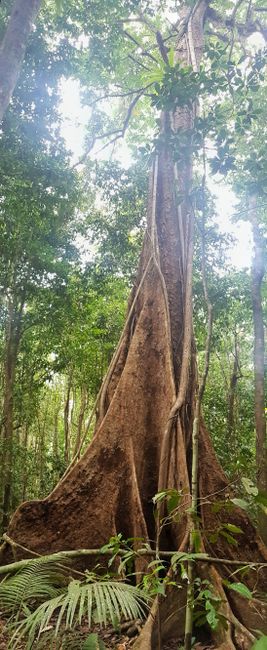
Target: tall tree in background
x=257 y=275
x=13 y=47
x=146 y=406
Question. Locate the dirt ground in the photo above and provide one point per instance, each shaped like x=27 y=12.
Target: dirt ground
x=113 y=640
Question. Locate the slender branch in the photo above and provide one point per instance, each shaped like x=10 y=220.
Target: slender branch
x=249 y=11
x=129 y=93
x=142 y=65
x=121 y=132
x=144 y=52
x=96 y=552
x=117 y=133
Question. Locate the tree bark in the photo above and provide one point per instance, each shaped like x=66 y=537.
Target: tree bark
x=13 y=47
x=257 y=275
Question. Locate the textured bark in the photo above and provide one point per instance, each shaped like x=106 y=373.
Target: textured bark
x=257 y=275
x=13 y=47
x=143 y=439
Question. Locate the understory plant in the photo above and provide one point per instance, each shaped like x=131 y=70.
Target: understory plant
x=42 y=602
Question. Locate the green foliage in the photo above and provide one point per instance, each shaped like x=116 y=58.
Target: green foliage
x=240 y=588
x=93 y=642
x=100 y=600
x=207 y=606
x=40 y=580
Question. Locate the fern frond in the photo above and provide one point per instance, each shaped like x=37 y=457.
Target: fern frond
x=38 y=581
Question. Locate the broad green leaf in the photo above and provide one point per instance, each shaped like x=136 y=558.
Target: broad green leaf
x=240 y=588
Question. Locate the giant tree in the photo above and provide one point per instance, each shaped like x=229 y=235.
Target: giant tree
x=146 y=407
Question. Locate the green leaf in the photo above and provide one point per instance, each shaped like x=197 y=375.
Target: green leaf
x=212 y=619
x=261 y=499
x=171 y=57
x=240 y=588
x=93 y=642
x=230 y=539
x=250 y=487
x=233 y=528
x=240 y=503
x=261 y=644
x=173 y=502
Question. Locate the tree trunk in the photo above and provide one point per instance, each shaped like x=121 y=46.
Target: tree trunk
x=231 y=415
x=13 y=47
x=67 y=421
x=55 y=431
x=13 y=333
x=24 y=443
x=257 y=275
x=143 y=439
x=83 y=405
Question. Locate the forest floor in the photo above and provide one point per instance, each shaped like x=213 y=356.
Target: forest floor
x=113 y=640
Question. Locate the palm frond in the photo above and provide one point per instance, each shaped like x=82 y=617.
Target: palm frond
x=101 y=601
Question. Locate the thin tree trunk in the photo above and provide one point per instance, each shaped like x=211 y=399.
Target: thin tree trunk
x=13 y=333
x=231 y=415
x=13 y=47
x=67 y=421
x=24 y=443
x=41 y=451
x=83 y=405
x=55 y=433
x=257 y=275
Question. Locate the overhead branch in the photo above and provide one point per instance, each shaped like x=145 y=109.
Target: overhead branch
x=115 y=134
x=244 y=29
x=139 y=45
x=142 y=65
x=129 y=93
x=218 y=35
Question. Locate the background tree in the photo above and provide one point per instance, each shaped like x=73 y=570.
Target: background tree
x=13 y=47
